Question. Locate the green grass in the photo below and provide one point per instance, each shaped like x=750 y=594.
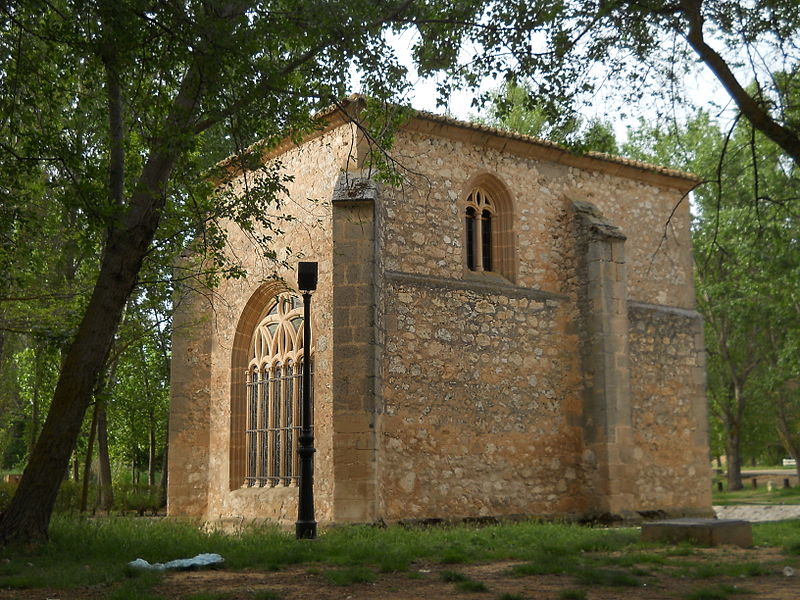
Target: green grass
x=610 y=577
x=572 y=595
x=634 y=558
x=470 y=585
x=782 y=534
x=266 y=595
x=736 y=569
x=546 y=565
x=761 y=495
x=95 y=552
x=453 y=576
x=462 y=582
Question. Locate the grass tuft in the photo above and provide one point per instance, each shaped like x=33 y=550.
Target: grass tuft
x=470 y=585
x=572 y=595
x=609 y=577
x=453 y=576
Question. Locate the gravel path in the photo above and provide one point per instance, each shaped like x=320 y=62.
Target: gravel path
x=759 y=512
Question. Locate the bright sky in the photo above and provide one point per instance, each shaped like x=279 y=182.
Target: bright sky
x=701 y=88
x=423 y=95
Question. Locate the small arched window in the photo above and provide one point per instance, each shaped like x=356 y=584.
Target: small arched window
x=488 y=228
x=479 y=214
x=273 y=380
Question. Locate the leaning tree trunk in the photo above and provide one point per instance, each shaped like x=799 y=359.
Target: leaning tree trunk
x=27 y=517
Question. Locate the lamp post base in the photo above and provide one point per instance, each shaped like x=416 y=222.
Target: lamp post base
x=305 y=530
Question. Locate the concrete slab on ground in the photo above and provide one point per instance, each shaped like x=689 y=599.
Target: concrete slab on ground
x=707 y=532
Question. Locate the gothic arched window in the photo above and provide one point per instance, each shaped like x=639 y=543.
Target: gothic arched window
x=274 y=382
x=487 y=210
x=479 y=213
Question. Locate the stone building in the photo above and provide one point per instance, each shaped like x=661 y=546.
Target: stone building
x=509 y=331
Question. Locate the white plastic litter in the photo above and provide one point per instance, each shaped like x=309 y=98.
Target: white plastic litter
x=201 y=561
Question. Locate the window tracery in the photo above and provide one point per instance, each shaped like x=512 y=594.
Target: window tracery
x=487 y=211
x=479 y=215
x=274 y=382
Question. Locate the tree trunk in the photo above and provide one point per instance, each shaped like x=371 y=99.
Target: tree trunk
x=164 y=472
x=733 y=456
x=38 y=367
x=76 y=470
x=151 y=451
x=87 y=464
x=786 y=432
x=106 y=489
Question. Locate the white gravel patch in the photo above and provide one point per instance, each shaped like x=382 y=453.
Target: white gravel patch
x=759 y=512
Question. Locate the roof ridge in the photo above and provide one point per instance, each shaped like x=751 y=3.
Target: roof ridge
x=513 y=135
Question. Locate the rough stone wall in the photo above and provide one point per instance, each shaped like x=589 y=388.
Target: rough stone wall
x=658 y=255
x=203 y=377
x=189 y=416
x=479 y=413
x=669 y=420
x=483 y=390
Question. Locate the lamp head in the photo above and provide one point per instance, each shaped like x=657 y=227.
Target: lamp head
x=307 y=276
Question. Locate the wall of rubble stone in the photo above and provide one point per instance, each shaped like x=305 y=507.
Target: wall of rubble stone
x=479 y=413
x=669 y=418
x=482 y=388
x=202 y=374
x=425 y=214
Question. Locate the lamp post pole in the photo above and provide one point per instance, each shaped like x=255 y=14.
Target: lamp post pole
x=306 y=525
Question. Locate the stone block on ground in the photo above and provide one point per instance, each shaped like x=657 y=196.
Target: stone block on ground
x=706 y=532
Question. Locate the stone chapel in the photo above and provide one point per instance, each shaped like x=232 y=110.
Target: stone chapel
x=511 y=331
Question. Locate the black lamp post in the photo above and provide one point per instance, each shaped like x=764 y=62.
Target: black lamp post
x=306 y=525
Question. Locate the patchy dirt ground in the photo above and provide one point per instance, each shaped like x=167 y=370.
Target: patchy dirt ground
x=425 y=582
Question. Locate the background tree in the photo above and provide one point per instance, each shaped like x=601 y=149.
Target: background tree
x=515 y=108
x=626 y=54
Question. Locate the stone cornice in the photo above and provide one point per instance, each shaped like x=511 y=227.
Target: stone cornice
x=482 y=287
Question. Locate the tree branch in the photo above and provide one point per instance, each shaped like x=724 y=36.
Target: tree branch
x=784 y=137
